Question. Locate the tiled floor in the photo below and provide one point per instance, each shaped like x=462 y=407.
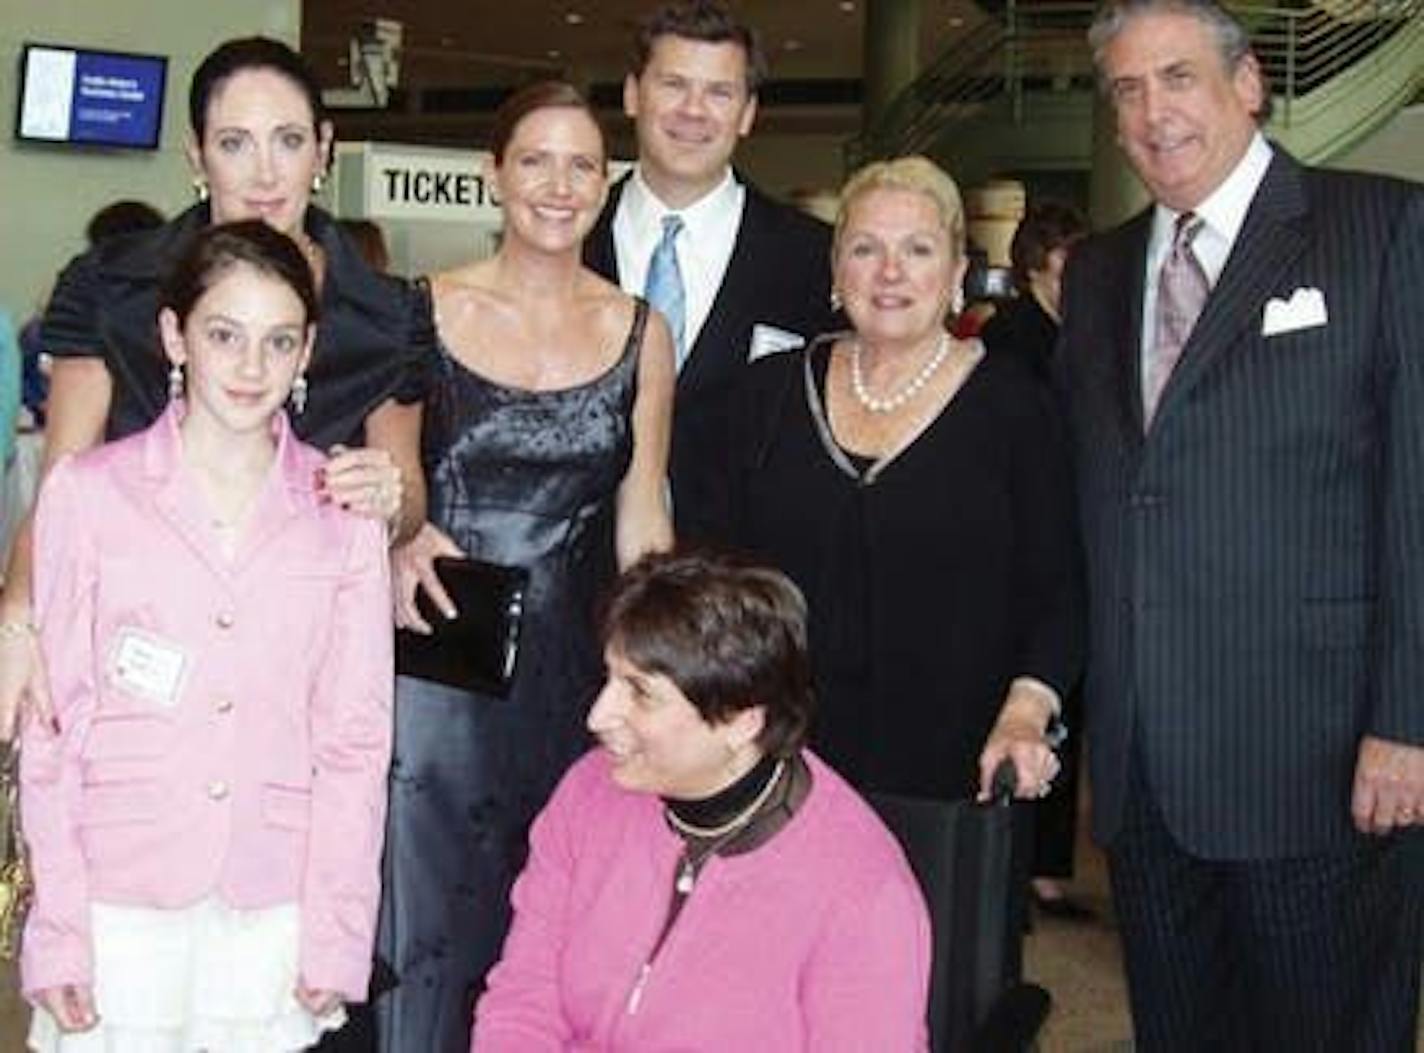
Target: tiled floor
x=1080 y=963
x=13 y=1017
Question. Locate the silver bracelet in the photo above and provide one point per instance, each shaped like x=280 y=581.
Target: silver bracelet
x=16 y=628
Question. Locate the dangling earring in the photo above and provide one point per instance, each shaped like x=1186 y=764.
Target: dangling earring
x=175 y=382
x=200 y=188
x=956 y=303
x=318 y=181
x=299 y=394
x=836 y=303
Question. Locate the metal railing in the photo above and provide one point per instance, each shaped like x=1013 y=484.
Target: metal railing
x=1304 y=50
x=1035 y=47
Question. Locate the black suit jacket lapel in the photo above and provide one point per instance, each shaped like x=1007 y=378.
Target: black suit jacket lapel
x=1272 y=236
x=1128 y=338
x=599 y=252
x=734 y=297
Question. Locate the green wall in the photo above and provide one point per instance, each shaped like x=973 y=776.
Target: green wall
x=1396 y=149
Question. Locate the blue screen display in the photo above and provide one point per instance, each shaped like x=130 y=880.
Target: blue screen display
x=117 y=99
x=92 y=97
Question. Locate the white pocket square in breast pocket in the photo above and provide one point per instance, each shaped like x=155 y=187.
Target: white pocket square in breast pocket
x=769 y=340
x=1304 y=310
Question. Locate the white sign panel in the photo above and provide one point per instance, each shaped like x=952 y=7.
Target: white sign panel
x=429 y=184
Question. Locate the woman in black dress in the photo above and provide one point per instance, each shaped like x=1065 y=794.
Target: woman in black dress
x=913 y=488
x=545 y=447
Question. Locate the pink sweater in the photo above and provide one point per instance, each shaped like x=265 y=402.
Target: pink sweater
x=819 y=940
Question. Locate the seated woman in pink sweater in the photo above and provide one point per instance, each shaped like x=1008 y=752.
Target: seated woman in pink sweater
x=701 y=881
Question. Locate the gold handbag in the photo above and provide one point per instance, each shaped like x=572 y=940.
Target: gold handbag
x=16 y=885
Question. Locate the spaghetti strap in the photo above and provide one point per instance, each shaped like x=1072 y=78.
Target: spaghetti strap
x=639 y=326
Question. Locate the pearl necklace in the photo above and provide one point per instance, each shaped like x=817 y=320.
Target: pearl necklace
x=912 y=387
x=718 y=835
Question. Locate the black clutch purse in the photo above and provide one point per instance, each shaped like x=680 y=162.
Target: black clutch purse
x=477 y=649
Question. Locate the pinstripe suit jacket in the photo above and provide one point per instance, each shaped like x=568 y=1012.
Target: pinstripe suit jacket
x=1256 y=562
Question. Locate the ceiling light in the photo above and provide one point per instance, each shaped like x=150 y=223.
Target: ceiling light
x=554 y=53
x=793 y=45
x=847 y=6
x=573 y=18
x=956 y=22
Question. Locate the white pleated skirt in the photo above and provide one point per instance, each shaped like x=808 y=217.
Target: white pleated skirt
x=206 y=977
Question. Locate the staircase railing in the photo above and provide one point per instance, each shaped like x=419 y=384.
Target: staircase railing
x=991 y=65
x=1304 y=50
x=967 y=72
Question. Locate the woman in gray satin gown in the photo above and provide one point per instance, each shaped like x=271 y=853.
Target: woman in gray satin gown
x=545 y=447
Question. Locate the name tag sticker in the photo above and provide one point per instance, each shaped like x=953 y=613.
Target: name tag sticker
x=148 y=666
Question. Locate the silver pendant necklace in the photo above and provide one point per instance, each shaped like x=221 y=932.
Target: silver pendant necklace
x=716 y=836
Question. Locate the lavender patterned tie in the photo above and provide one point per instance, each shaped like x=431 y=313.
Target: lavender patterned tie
x=1182 y=290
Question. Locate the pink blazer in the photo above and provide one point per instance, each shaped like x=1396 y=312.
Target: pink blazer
x=225 y=726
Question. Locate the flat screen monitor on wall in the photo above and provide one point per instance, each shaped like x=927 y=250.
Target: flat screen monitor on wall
x=90 y=98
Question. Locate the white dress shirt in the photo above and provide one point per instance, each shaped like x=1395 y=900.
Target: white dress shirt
x=1222 y=214
x=704 y=246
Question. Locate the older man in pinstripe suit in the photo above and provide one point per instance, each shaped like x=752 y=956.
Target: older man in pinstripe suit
x=1245 y=368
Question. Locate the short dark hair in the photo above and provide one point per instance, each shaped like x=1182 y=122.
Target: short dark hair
x=1233 y=43
x=729 y=634
x=541 y=95
x=217 y=249
x=122 y=217
x=709 y=21
x=1046 y=225
x=249 y=53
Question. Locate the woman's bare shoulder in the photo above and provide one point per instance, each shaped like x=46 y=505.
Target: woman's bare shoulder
x=469 y=288
x=606 y=301
x=475 y=279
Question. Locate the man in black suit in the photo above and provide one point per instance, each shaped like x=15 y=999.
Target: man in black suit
x=754 y=274
x=1245 y=368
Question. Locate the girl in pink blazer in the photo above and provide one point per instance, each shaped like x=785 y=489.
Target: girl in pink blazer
x=205 y=814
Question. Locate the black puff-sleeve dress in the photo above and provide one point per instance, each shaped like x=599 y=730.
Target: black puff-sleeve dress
x=933 y=577
x=375 y=339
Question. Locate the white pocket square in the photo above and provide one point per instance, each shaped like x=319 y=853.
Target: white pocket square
x=1304 y=310
x=769 y=340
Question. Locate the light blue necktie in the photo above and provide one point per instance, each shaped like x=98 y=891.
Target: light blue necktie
x=664 y=286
